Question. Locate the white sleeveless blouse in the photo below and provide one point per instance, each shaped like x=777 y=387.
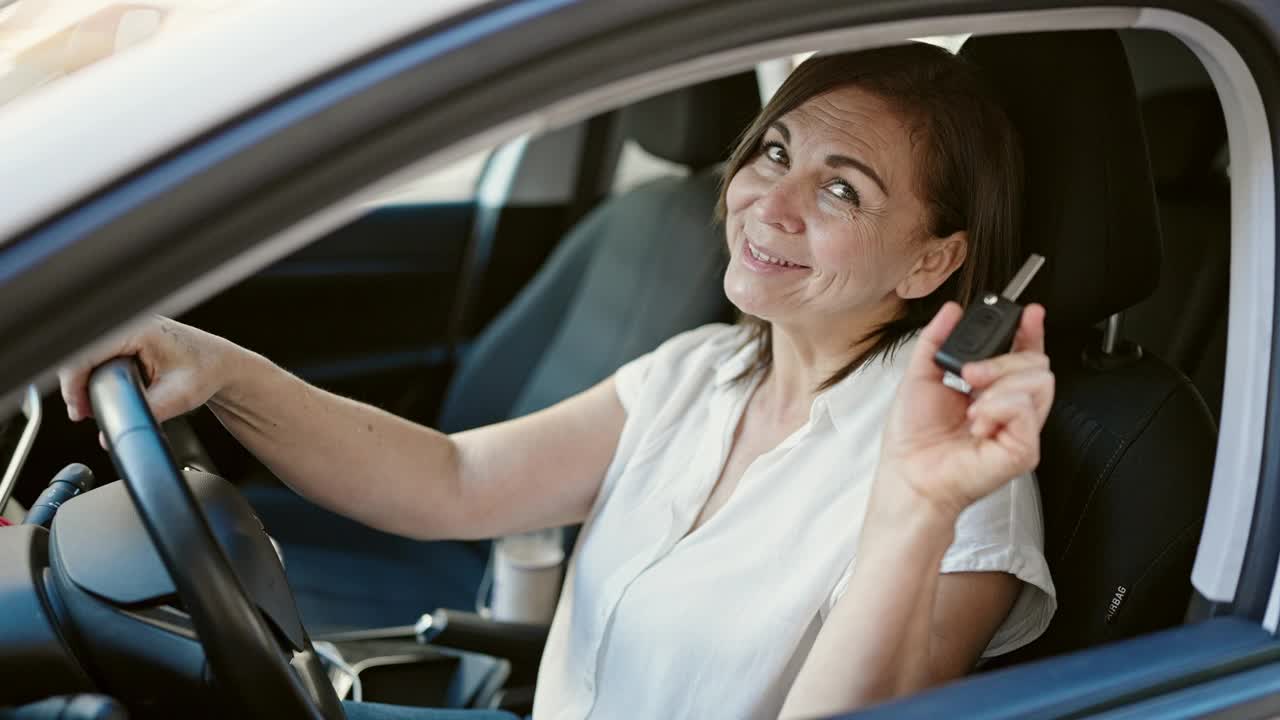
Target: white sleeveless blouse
x=653 y=624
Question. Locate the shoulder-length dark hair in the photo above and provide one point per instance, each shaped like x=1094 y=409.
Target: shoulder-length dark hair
x=968 y=163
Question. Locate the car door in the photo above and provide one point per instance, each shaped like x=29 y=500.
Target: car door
x=1225 y=660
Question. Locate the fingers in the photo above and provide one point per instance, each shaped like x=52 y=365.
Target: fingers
x=986 y=373
x=178 y=363
x=170 y=396
x=1013 y=392
x=930 y=340
x=992 y=412
x=1009 y=415
x=1027 y=350
x=74 y=384
x=73 y=380
x=1030 y=335
x=1036 y=382
x=1009 y=437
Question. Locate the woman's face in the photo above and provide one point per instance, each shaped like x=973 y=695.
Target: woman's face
x=824 y=221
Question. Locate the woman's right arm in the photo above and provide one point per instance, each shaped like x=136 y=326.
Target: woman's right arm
x=541 y=470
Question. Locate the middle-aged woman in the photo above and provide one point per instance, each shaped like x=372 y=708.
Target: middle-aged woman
x=789 y=515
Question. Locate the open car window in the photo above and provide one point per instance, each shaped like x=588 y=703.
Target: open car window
x=327 y=303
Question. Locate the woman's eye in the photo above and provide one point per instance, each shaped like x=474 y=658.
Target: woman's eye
x=776 y=153
x=844 y=191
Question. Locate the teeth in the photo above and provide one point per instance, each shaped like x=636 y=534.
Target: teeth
x=768 y=258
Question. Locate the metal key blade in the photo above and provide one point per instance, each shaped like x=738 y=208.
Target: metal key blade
x=1023 y=277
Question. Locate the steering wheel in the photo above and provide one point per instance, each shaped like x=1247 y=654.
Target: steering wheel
x=247 y=662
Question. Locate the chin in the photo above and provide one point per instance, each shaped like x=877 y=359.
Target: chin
x=747 y=299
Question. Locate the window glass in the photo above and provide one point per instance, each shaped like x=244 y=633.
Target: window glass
x=453 y=183
x=636 y=166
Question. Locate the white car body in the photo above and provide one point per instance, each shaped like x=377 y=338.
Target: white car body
x=236 y=62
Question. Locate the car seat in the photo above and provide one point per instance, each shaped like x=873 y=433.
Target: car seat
x=644 y=267
x=641 y=267
x=1127 y=453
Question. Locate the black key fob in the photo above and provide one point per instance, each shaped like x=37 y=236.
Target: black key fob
x=986 y=330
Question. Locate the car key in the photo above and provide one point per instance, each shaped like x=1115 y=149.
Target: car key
x=987 y=328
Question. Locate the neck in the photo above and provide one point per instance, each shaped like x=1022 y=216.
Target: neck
x=805 y=356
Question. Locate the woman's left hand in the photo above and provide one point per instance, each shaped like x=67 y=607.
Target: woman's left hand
x=952 y=449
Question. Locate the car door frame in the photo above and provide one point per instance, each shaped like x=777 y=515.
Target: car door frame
x=259 y=187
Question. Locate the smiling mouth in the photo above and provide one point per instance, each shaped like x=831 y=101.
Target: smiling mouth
x=760 y=256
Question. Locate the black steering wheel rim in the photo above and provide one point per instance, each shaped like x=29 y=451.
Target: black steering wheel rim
x=241 y=650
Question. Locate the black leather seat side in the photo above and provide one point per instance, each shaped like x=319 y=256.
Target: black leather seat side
x=1124 y=485
x=1127 y=453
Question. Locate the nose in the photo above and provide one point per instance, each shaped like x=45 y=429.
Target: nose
x=781 y=207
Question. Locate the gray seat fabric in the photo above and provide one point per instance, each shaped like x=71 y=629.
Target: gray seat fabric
x=637 y=270
x=640 y=268
x=639 y=289
x=633 y=274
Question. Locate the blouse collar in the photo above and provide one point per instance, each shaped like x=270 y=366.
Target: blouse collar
x=842 y=399
x=839 y=402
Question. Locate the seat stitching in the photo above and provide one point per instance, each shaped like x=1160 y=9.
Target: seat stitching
x=1101 y=479
x=1105 y=476
x=1192 y=524
x=1088 y=444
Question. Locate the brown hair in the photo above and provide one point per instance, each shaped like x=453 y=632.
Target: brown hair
x=969 y=168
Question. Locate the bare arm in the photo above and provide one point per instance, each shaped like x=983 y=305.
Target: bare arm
x=538 y=471
x=916 y=629
x=901 y=626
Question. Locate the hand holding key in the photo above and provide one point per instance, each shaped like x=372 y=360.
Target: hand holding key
x=987 y=328
x=951 y=449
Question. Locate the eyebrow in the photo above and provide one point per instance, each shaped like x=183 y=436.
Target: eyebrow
x=838 y=160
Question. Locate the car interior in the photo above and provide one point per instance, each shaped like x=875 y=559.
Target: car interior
x=585 y=246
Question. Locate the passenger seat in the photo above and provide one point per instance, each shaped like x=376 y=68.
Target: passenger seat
x=640 y=268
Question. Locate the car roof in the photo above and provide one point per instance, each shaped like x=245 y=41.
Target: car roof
x=163 y=93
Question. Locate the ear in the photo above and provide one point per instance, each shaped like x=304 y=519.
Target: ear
x=941 y=258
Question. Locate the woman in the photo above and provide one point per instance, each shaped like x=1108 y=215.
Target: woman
x=715 y=573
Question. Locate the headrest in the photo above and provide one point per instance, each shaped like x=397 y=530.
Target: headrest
x=1186 y=132
x=1090 y=205
x=695 y=126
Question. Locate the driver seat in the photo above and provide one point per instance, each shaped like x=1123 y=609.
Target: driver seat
x=1127 y=452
